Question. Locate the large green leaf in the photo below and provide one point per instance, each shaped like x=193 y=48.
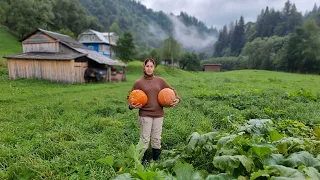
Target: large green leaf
x=193 y=140
x=208 y=137
x=164 y=176
x=302 y=159
x=263 y=149
x=311 y=173
x=147 y=175
x=273 y=159
x=221 y=177
x=108 y=160
x=135 y=153
x=229 y=163
x=257 y=126
x=125 y=176
x=224 y=140
x=281 y=172
x=183 y=171
x=274 y=135
x=316 y=130
x=259 y=173
x=289 y=144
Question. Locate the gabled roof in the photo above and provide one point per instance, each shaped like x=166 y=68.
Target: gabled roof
x=65 y=39
x=103 y=37
x=71 y=43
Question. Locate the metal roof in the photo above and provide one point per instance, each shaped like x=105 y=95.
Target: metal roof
x=45 y=56
x=65 y=39
x=100 y=58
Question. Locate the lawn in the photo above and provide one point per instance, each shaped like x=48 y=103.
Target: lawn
x=59 y=131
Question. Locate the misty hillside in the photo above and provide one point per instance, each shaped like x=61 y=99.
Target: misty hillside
x=150 y=28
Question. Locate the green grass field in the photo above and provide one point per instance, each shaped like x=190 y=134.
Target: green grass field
x=58 y=131
x=9 y=45
x=85 y=131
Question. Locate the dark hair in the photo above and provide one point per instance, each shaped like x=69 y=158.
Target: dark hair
x=149 y=60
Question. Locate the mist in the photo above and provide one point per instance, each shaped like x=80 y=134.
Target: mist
x=188 y=37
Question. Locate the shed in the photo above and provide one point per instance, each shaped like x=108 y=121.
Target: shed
x=57 y=57
x=212 y=67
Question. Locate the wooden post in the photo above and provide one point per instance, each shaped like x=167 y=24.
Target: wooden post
x=124 y=78
x=109 y=73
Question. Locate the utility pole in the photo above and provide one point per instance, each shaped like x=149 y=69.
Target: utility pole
x=110 y=45
x=171 y=43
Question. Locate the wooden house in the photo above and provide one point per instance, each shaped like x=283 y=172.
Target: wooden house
x=212 y=67
x=57 y=57
x=102 y=42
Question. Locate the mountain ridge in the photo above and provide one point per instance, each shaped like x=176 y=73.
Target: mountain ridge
x=149 y=27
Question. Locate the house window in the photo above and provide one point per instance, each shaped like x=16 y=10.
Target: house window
x=92 y=37
x=103 y=47
x=90 y=47
x=85 y=37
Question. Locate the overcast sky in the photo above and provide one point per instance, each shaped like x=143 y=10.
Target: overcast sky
x=217 y=13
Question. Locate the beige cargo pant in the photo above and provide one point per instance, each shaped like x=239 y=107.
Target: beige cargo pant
x=151 y=127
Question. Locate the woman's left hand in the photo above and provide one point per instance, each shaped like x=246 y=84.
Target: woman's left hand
x=175 y=102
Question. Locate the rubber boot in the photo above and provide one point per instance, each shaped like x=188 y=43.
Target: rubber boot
x=144 y=160
x=156 y=154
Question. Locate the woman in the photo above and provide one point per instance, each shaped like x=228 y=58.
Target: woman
x=151 y=114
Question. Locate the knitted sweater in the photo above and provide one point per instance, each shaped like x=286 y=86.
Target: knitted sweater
x=151 y=86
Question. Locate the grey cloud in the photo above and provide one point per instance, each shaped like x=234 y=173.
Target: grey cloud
x=189 y=37
x=217 y=13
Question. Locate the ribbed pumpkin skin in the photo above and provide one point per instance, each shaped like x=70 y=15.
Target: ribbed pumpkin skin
x=138 y=97
x=166 y=97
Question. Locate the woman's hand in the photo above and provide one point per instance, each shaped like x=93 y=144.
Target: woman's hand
x=175 y=102
x=136 y=106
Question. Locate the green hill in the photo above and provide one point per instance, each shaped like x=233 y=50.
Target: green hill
x=9 y=44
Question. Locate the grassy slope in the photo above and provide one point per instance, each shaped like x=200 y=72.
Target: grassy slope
x=8 y=45
x=51 y=130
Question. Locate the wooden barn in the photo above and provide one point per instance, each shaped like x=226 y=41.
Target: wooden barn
x=57 y=57
x=212 y=67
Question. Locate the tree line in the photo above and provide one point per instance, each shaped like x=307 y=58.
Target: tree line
x=279 y=40
x=23 y=17
x=148 y=28
x=291 y=43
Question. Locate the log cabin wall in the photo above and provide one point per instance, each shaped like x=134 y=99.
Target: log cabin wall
x=65 y=49
x=64 y=71
x=40 y=42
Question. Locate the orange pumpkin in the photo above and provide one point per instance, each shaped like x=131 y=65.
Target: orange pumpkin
x=138 y=97
x=166 y=97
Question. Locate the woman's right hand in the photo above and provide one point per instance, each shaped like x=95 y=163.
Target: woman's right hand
x=136 y=106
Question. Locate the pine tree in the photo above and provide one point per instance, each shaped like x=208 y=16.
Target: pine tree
x=126 y=47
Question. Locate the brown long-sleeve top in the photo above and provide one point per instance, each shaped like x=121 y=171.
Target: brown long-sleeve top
x=151 y=86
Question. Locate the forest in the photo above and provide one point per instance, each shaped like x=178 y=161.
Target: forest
x=282 y=40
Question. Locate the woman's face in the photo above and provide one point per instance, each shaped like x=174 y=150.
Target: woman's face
x=149 y=68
